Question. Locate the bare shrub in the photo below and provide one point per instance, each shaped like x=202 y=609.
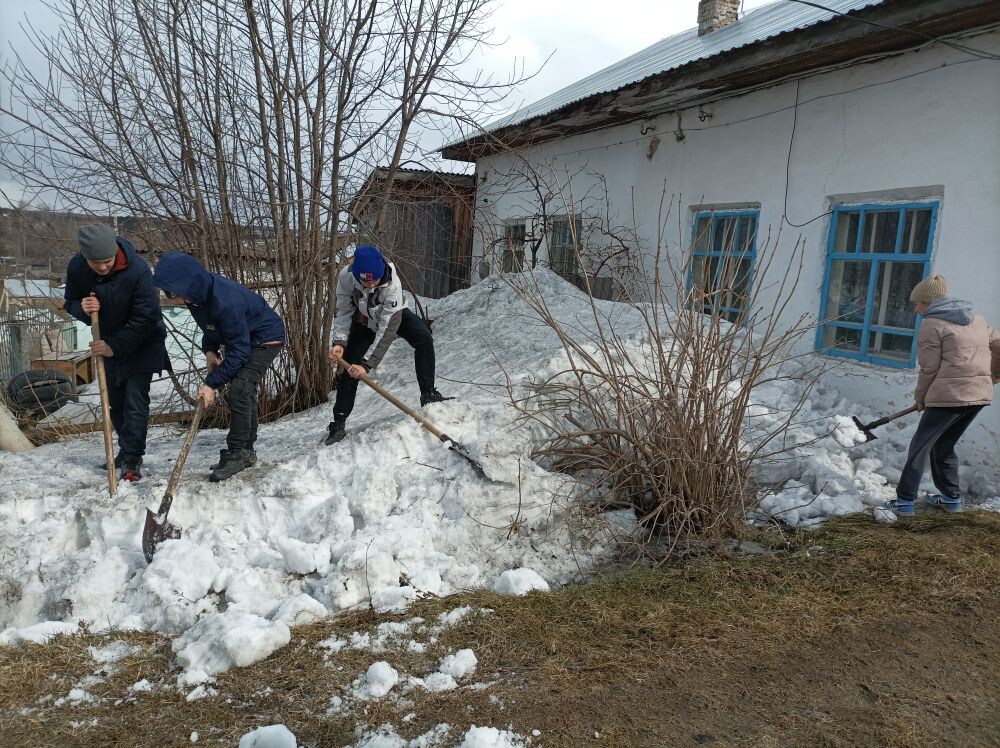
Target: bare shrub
x=652 y=407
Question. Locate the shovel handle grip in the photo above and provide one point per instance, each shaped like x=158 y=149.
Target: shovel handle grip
x=893 y=417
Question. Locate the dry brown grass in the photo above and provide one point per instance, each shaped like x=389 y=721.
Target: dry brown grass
x=854 y=635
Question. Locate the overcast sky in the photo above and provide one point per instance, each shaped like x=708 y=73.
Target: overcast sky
x=577 y=37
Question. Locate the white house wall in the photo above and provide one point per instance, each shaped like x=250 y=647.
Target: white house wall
x=921 y=124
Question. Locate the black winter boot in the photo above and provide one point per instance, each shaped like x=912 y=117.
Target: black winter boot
x=338 y=430
x=130 y=468
x=118 y=462
x=234 y=462
x=222 y=458
x=251 y=456
x=432 y=396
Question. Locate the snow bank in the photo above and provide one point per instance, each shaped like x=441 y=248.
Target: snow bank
x=388 y=515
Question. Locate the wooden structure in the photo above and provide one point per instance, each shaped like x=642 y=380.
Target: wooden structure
x=77 y=365
x=427 y=231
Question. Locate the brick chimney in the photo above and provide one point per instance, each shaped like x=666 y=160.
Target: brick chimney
x=714 y=14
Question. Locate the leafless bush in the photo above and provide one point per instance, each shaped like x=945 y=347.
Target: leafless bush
x=241 y=130
x=651 y=407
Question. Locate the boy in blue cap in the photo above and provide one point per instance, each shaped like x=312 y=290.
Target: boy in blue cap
x=370 y=313
x=242 y=337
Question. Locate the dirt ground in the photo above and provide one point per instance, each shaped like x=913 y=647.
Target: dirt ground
x=855 y=635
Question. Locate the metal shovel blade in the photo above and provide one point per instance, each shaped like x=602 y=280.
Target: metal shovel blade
x=155 y=531
x=864 y=429
x=463 y=451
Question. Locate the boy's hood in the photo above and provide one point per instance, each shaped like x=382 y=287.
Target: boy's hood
x=182 y=275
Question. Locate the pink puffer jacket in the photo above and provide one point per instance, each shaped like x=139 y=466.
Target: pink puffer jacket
x=959 y=356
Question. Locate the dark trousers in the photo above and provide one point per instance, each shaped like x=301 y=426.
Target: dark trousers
x=241 y=394
x=937 y=433
x=413 y=330
x=128 y=399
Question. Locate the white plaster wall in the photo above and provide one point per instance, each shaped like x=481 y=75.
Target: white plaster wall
x=921 y=124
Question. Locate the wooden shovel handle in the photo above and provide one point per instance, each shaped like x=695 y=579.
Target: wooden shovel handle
x=893 y=417
x=175 y=475
x=102 y=383
x=398 y=403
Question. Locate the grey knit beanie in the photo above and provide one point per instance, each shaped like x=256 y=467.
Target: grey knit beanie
x=97 y=242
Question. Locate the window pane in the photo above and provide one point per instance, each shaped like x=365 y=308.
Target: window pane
x=848 y=292
x=702 y=233
x=724 y=235
x=748 y=232
x=735 y=281
x=560 y=232
x=842 y=339
x=892 y=307
x=513 y=260
x=846 y=236
x=880 y=231
x=886 y=345
x=917 y=232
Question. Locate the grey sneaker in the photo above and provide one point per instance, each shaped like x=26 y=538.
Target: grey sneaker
x=948 y=503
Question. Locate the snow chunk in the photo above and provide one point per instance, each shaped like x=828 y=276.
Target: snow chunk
x=846 y=432
x=884 y=516
x=490 y=737
x=519 y=582
x=304 y=558
x=436 y=682
x=272 y=736
x=299 y=610
x=142 y=685
x=182 y=568
x=40 y=633
x=220 y=641
x=460 y=664
x=380 y=679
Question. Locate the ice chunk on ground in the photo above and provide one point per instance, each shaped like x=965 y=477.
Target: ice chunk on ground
x=272 y=736
x=220 y=641
x=519 y=582
x=380 y=679
x=460 y=664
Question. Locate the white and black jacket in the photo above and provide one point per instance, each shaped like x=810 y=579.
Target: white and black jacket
x=382 y=307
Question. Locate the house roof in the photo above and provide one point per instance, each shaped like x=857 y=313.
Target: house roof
x=30 y=289
x=670 y=53
x=772 y=41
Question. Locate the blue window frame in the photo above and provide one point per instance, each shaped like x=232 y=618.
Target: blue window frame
x=723 y=251
x=876 y=254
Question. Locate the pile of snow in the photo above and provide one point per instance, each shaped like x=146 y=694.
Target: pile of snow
x=387 y=516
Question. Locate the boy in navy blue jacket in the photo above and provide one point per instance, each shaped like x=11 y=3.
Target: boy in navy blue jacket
x=242 y=337
x=109 y=277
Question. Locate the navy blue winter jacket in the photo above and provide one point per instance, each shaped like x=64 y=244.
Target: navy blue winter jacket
x=131 y=322
x=228 y=313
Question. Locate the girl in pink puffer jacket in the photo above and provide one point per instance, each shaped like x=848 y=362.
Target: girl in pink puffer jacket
x=959 y=358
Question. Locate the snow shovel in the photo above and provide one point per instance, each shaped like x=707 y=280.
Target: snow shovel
x=102 y=383
x=157 y=529
x=457 y=447
x=866 y=428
